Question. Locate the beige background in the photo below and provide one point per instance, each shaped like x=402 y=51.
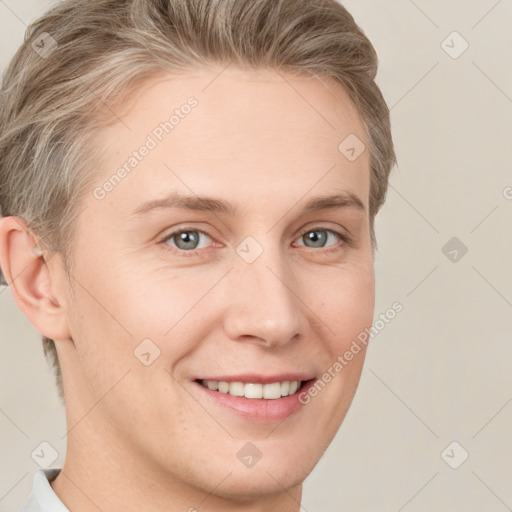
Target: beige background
x=440 y=371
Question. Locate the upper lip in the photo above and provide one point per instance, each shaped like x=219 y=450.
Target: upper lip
x=260 y=379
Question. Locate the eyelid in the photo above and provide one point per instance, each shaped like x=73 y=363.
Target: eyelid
x=178 y=231
x=323 y=227
x=342 y=235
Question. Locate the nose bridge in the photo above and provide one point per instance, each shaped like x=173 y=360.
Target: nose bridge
x=264 y=304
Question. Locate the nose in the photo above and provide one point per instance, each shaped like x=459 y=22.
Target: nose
x=263 y=303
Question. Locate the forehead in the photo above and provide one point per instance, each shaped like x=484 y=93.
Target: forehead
x=229 y=132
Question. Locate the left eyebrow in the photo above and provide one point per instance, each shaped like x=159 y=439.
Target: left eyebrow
x=216 y=205
x=343 y=200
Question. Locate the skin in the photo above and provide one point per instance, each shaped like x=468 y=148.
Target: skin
x=144 y=437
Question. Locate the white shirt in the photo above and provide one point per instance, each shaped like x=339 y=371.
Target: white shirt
x=42 y=498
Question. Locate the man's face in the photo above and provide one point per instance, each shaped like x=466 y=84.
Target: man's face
x=262 y=294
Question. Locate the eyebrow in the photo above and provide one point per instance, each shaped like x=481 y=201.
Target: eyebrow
x=214 y=205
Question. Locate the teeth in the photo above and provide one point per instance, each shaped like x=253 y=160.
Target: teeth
x=223 y=387
x=236 y=388
x=253 y=390
x=271 y=391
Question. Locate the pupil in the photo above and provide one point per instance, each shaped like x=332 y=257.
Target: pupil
x=315 y=238
x=188 y=239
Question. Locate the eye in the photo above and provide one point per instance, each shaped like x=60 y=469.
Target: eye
x=318 y=236
x=186 y=241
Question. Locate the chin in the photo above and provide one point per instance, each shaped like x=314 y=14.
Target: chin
x=272 y=474
x=251 y=484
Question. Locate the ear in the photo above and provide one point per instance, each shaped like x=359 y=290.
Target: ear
x=32 y=281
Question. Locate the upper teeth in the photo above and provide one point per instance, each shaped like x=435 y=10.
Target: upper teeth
x=271 y=391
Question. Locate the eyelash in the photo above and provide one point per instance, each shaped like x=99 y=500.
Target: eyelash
x=343 y=237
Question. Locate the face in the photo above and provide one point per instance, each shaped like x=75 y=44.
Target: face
x=177 y=310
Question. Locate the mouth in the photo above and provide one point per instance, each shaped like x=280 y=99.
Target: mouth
x=256 y=398
x=255 y=390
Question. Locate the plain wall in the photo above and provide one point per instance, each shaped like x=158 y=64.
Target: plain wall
x=439 y=372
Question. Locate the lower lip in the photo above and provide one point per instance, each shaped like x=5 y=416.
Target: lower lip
x=261 y=409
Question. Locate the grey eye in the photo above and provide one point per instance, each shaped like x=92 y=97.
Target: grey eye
x=316 y=238
x=186 y=240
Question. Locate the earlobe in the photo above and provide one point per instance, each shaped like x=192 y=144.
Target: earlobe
x=30 y=278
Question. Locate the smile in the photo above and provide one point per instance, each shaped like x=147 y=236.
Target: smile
x=254 y=390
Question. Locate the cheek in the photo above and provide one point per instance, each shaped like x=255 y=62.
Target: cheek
x=102 y=343
x=125 y=322
x=345 y=303
x=107 y=321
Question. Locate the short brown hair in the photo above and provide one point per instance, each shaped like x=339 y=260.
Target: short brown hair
x=84 y=56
